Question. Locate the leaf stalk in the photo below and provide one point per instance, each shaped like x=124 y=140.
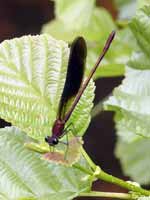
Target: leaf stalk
x=107 y=195
x=100 y=174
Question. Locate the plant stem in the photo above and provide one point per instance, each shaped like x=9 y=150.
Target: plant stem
x=107 y=194
x=111 y=179
x=100 y=174
x=83 y=169
x=88 y=159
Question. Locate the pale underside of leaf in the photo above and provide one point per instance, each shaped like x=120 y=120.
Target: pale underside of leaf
x=24 y=175
x=131 y=101
x=135 y=159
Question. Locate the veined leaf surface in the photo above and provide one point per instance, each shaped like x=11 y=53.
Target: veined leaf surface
x=131 y=101
x=32 y=76
x=135 y=159
x=25 y=176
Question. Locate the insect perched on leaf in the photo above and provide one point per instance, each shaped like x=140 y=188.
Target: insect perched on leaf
x=73 y=85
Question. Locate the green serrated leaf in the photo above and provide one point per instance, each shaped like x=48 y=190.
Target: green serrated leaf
x=131 y=102
x=117 y=56
x=69 y=11
x=96 y=30
x=96 y=33
x=32 y=76
x=131 y=98
x=124 y=132
x=24 y=175
x=135 y=159
x=140 y=26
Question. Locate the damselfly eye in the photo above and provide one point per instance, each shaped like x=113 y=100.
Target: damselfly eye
x=51 y=140
x=55 y=141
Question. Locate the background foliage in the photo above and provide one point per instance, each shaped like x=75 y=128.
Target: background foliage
x=131 y=100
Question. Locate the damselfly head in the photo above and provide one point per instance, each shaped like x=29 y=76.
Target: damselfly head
x=52 y=141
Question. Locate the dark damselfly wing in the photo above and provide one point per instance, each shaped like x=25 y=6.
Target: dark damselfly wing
x=75 y=72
